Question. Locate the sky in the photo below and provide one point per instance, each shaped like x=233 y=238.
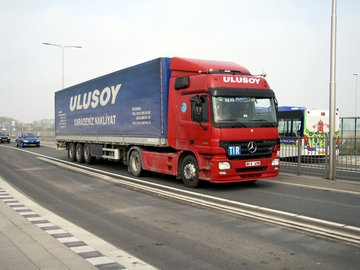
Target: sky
x=289 y=40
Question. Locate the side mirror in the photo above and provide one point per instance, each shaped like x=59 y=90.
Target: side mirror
x=181 y=83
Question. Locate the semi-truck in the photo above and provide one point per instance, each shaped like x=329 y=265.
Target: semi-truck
x=191 y=118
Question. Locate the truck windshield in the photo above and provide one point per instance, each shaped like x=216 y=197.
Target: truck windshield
x=244 y=111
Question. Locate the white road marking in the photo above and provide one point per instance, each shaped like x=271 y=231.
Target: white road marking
x=316 y=226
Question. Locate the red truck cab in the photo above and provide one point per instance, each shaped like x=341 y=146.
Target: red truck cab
x=222 y=123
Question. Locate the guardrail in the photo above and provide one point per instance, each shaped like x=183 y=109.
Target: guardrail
x=298 y=157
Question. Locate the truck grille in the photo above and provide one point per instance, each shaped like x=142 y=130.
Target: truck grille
x=264 y=149
x=255 y=169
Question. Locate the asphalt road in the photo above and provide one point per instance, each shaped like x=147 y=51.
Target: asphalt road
x=173 y=235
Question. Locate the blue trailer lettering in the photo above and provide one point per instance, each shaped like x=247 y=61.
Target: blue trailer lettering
x=83 y=101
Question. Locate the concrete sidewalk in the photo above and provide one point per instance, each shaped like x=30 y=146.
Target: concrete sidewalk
x=23 y=245
x=32 y=237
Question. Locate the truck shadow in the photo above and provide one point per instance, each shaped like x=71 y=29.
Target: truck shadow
x=234 y=186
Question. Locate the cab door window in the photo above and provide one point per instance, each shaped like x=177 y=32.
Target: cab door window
x=199 y=109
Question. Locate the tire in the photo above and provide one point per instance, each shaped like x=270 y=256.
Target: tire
x=71 y=152
x=79 y=153
x=190 y=172
x=135 y=163
x=87 y=154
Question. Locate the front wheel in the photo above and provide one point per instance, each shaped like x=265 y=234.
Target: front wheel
x=190 y=171
x=135 y=163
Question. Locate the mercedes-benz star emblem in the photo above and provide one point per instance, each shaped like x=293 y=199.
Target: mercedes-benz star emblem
x=252 y=147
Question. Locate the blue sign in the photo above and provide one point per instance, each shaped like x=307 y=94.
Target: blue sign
x=234 y=150
x=183 y=107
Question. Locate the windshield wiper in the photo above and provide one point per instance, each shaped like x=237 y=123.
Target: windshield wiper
x=268 y=123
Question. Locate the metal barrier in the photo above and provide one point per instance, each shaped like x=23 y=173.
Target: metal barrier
x=298 y=157
x=348 y=160
x=350 y=132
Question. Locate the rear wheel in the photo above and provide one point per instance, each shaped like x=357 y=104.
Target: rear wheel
x=79 y=153
x=190 y=171
x=87 y=155
x=71 y=152
x=135 y=163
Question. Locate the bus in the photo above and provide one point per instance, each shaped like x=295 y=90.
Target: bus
x=306 y=126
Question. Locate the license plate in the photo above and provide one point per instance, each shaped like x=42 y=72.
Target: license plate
x=32 y=144
x=252 y=163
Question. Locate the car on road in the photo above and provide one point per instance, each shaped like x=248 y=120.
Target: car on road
x=4 y=138
x=27 y=139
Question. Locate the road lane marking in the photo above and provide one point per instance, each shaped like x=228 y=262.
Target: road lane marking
x=315 y=187
x=316 y=226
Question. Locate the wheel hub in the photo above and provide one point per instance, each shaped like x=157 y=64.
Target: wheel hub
x=189 y=171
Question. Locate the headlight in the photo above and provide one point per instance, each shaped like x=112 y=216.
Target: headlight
x=26 y=141
x=275 y=162
x=224 y=165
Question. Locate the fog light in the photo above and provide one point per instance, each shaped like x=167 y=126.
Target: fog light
x=224 y=166
x=275 y=162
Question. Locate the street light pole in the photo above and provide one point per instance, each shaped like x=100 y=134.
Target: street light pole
x=355 y=74
x=332 y=105
x=63 y=58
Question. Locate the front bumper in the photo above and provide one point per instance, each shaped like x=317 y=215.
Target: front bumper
x=244 y=170
x=31 y=144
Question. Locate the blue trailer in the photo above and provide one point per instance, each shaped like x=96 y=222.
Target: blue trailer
x=119 y=108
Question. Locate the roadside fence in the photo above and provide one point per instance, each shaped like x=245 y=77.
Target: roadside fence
x=298 y=157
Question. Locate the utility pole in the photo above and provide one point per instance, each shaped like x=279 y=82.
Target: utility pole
x=355 y=74
x=332 y=104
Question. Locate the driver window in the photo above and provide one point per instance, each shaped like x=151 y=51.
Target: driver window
x=199 y=110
